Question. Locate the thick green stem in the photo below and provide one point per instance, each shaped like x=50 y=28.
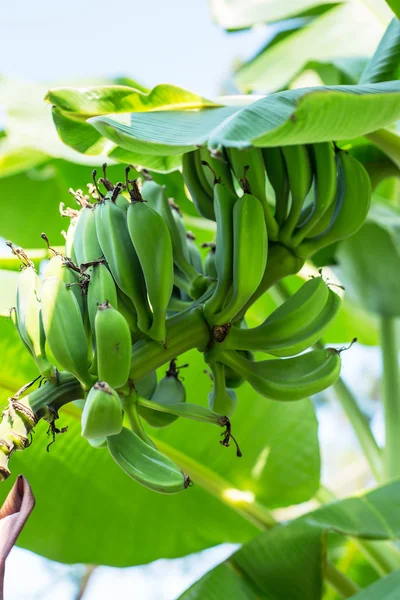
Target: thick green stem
x=185 y=331
x=391 y=397
x=361 y=427
x=340 y=582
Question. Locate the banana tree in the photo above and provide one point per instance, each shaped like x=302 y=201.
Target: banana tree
x=273 y=161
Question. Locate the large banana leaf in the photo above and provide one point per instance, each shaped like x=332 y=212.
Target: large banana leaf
x=330 y=33
x=296 y=116
x=386 y=60
x=289 y=561
x=88 y=510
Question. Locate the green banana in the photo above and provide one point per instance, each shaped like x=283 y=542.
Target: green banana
x=224 y=202
x=146 y=386
x=113 y=346
x=197 y=184
x=216 y=168
x=210 y=268
x=121 y=257
x=29 y=320
x=352 y=204
x=61 y=268
x=288 y=379
x=155 y=196
x=194 y=253
x=250 y=249
x=233 y=379
x=300 y=176
x=70 y=233
x=86 y=245
x=64 y=329
x=146 y=464
x=126 y=308
x=169 y=390
x=294 y=326
x=180 y=225
x=101 y=289
x=152 y=242
x=249 y=169
x=324 y=167
x=102 y=413
x=220 y=399
x=98 y=443
x=195 y=412
x=276 y=171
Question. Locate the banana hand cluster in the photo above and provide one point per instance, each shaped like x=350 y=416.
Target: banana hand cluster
x=134 y=291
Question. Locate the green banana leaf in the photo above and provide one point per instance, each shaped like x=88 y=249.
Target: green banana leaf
x=385 y=63
x=292 y=117
x=395 y=6
x=83 y=498
x=288 y=561
x=239 y=14
x=383 y=589
x=281 y=564
x=368 y=263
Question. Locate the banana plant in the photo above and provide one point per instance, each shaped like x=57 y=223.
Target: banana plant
x=268 y=178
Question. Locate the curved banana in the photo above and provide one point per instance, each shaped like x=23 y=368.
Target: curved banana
x=146 y=464
x=169 y=390
x=102 y=412
x=61 y=268
x=194 y=252
x=324 y=167
x=28 y=318
x=113 y=346
x=101 y=289
x=276 y=171
x=197 y=184
x=300 y=176
x=126 y=308
x=221 y=400
x=249 y=169
x=155 y=196
x=216 y=168
x=294 y=326
x=210 y=268
x=146 y=386
x=176 y=213
x=288 y=379
x=352 y=204
x=121 y=257
x=224 y=202
x=232 y=378
x=64 y=329
x=152 y=242
x=86 y=245
x=250 y=249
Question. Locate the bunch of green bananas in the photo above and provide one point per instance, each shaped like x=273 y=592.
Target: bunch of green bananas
x=132 y=293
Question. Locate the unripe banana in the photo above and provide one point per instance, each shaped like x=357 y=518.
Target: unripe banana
x=249 y=165
x=102 y=413
x=300 y=176
x=220 y=399
x=146 y=386
x=194 y=252
x=101 y=289
x=113 y=346
x=324 y=167
x=169 y=390
x=233 y=379
x=126 y=308
x=291 y=378
x=210 y=268
x=250 y=248
x=197 y=184
x=294 y=326
x=121 y=257
x=152 y=242
x=276 y=170
x=176 y=212
x=28 y=318
x=156 y=197
x=86 y=245
x=216 y=167
x=64 y=329
x=352 y=204
x=195 y=412
x=61 y=268
x=146 y=464
x=224 y=202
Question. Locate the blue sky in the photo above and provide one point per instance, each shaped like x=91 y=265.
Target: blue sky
x=152 y=41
